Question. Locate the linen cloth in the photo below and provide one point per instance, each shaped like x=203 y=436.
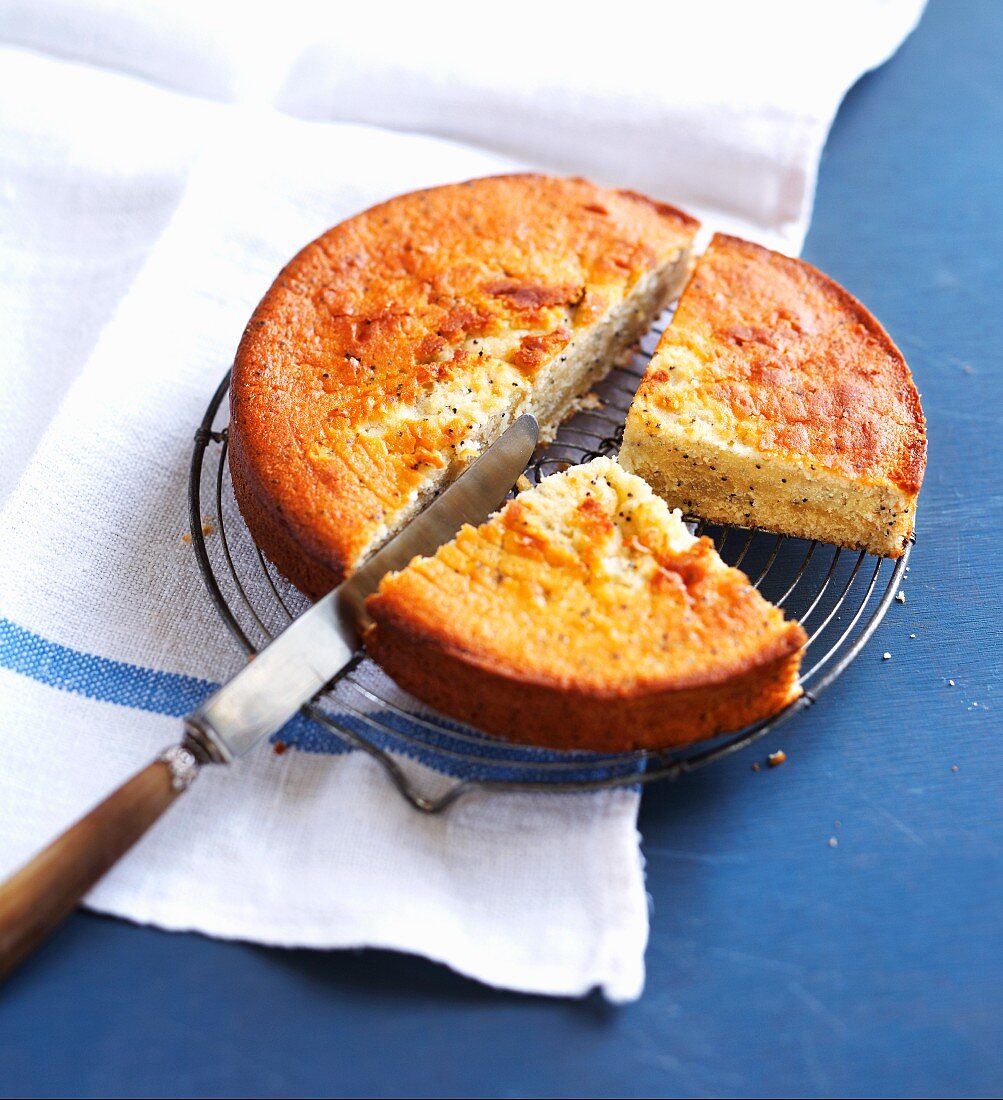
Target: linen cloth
x=159 y=162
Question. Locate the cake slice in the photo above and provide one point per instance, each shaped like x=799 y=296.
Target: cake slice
x=584 y=615
x=775 y=400
x=398 y=345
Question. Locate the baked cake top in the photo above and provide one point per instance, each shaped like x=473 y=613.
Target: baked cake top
x=588 y=582
x=768 y=351
x=388 y=341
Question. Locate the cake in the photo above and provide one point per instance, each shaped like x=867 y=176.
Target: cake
x=584 y=615
x=776 y=400
x=398 y=345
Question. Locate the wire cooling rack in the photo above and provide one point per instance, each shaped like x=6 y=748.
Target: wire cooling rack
x=839 y=597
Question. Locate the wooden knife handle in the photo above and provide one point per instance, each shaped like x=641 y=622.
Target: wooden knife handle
x=45 y=890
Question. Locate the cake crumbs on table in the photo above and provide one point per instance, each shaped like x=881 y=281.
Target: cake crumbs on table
x=279 y=748
x=954 y=768
x=523 y=483
x=950 y=683
x=912 y=635
x=886 y=656
x=775 y=759
x=833 y=842
x=755 y=765
x=186 y=537
x=900 y=596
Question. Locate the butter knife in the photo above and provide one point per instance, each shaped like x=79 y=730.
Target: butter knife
x=308 y=656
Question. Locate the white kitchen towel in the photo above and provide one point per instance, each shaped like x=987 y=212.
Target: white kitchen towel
x=156 y=169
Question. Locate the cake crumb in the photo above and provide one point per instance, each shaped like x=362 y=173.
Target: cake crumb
x=886 y=656
x=950 y=683
x=186 y=537
x=954 y=767
x=912 y=635
x=755 y=765
x=833 y=842
x=775 y=759
x=900 y=596
x=523 y=483
x=279 y=748
x=206 y=527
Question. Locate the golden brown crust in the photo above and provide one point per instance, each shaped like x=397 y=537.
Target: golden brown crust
x=560 y=716
x=585 y=615
x=331 y=431
x=800 y=367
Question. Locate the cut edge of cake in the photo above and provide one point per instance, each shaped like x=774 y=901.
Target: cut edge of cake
x=735 y=485
x=691 y=459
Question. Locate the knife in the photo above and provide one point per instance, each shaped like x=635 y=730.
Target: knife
x=310 y=654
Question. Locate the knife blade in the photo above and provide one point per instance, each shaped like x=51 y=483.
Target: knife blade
x=324 y=640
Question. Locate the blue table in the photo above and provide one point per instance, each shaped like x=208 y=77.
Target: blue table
x=778 y=965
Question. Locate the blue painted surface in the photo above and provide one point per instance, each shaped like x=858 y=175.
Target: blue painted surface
x=778 y=965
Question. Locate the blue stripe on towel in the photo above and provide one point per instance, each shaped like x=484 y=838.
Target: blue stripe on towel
x=107 y=681
x=175 y=695
x=98 y=678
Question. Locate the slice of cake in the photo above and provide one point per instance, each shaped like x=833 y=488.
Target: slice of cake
x=775 y=399
x=398 y=345
x=585 y=615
